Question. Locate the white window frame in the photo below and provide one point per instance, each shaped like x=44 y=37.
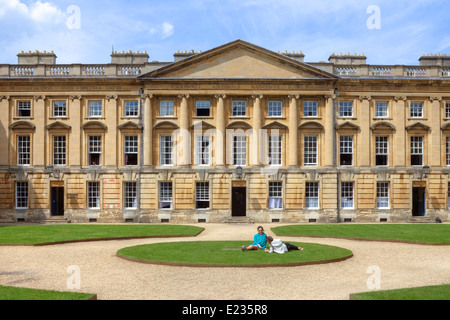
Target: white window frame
x=447 y=110
x=166 y=108
x=23 y=106
x=202 y=195
x=275 y=151
x=165 y=197
x=275 y=195
x=383 y=195
x=346 y=148
x=417 y=149
x=59 y=109
x=95 y=108
x=130 y=195
x=131 y=108
x=239 y=108
x=131 y=146
x=95 y=147
x=416 y=110
x=203 y=150
x=381 y=109
x=312 y=195
x=347 y=195
x=447 y=151
x=202 y=105
x=59 y=150
x=22 y=200
x=240 y=151
x=346 y=109
x=166 y=151
x=382 y=149
x=275 y=108
x=310 y=152
x=23 y=151
x=310 y=109
x=93 y=195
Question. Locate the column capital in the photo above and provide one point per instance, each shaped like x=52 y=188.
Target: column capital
x=435 y=99
x=36 y=98
x=400 y=98
x=4 y=98
x=218 y=96
x=294 y=96
x=71 y=98
x=114 y=97
x=257 y=96
x=147 y=96
x=362 y=98
x=183 y=96
x=331 y=96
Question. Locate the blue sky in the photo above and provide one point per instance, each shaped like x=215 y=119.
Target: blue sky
x=85 y=31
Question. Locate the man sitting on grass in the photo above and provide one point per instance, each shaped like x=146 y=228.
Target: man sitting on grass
x=279 y=247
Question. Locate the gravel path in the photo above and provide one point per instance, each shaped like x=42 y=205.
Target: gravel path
x=112 y=278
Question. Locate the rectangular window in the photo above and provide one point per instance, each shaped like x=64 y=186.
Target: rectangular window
x=275 y=151
x=59 y=109
x=310 y=109
x=383 y=195
x=275 y=108
x=381 y=110
x=239 y=108
x=310 y=151
x=23 y=150
x=166 y=109
x=275 y=195
x=166 y=151
x=346 y=109
x=22 y=195
x=203 y=150
x=447 y=110
x=312 y=195
x=203 y=109
x=131 y=108
x=130 y=195
x=347 y=195
x=95 y=150
x=447 y=151
x=381 y=151
x=59 y=150
x=239 y=150
x=416 y=110
x=131 y=150
x=95 y=109
x=416 y=151
x=165 y=195
x=346 y=147
x=93 y=194
x=24 y=109
x=202 y=195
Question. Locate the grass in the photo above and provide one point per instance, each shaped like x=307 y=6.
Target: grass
x=420 y=233
x=421 y=293
x=219 y=253
x=13 y=293
x=44 y=234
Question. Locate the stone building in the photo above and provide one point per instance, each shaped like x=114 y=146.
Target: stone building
x=234 y=133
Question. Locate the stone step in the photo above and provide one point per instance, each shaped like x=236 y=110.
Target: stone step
x=421 y=220
x=240 y=220
x=56 y=220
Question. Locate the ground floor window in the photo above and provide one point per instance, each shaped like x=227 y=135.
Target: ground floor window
x=347 y=195
x=202 y=195
x=165 y=195
x=130 y=195
x=383 y=195
x=312 y=195
x=22 y=195
x=93 y=194
x=275 y=195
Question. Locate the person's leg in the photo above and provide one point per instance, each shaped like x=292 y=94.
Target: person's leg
x=292 y=247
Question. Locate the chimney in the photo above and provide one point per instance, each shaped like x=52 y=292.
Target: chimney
x=348 y=59
x=36 y=57
x=299 y=56
x=442 y=60
x=183 y=55
x=129 y=57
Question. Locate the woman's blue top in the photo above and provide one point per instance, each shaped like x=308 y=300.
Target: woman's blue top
x=260 y=239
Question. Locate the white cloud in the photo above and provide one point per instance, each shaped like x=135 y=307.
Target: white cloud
x=164 y=30
x=39 y=12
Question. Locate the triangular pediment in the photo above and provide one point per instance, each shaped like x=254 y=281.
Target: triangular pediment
x=239 y=60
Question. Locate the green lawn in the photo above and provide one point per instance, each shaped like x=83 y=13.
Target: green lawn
x=421 y=233
x=12 y=293
x=421 y=293
x=44 y=234
x=228 y=253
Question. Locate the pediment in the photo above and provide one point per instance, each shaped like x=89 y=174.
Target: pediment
x=22 y=125
x=383 y=126
x=418 y=126
x=166 y=125
x=201 y=125
x=275 y=125
x=311 y=125
x=94 y=125
x=239 y=60
x=347 y=125
x=130 y=126
x=58 y=126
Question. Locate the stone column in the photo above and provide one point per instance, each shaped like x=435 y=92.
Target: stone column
x=148 y=130
x=434 y=152
x=4 y=130
x=75 y=136
x=329 y=149
x=293 y=131
x=255 y=156
x=111 y=146
x=400 y=145
x=364 y=143
x=39 y=149
x=219 y=145
x=184 y=142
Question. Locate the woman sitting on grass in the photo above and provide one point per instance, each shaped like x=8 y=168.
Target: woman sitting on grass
x=279 y=247
x=259 y=241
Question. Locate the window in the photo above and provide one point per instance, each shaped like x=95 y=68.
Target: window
x=23 y=151
x=416 y=151
x=275 y=150
x=310 y=152
x=239 y=108
x=203 y=150
x=202 y=195
x=239 y=150
x=166 y=109
x=310 y=109
x=59 y=150
x=275 y=108
x=93 y=194
x=347 y=195
x=312 y=195
x=447 y=110
x=346 y=146
x=381 y=151
x=166 y=151
x=95 y=109
x=275 y=195
x=381 y=110
x=131 y=108
x=203 y=108
x=383 y=195
x=447 y=151
x=416 y=110
x=59 y=109
x=165 y=195
x=130 y=195
x=131 y=150
x=95 y=150
x=346 y=109
x=22 y=195
x=24 y=109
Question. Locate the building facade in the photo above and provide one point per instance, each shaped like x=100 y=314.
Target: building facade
x=236 y=132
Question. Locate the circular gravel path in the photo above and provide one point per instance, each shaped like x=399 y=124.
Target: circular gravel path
x=112 y=278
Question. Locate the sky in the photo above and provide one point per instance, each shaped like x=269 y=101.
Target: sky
x=86 y=31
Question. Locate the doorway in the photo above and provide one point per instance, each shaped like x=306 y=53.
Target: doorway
x=418 y=209
x=57 y=195
x=239 y=202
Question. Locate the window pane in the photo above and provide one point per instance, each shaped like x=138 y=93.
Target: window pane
x=131 y=150
x=93 y=195
x=239 y=151
x=202 y=195
x=275 y=150
x=95 y=108
x=310 y=152
x=312 y=195
x=275 y=108
x=22 y=195
x=381 y=150
x=203 y=109
x=59 y=150
x=310 y=109
x=416 y=109
x=203 y=153
x=166 y=151
x=131 y=108
x=166 y=109
x=239 y=108
x=23 y=150
x=130 y=195
x=24 y=109
x=347 y=195
x=165 y=195
x=381 y=109
x=346 y=109
x=275 y=195
x=382 y=195
x=416 y=151
x=346 y=148
x=59 y=109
